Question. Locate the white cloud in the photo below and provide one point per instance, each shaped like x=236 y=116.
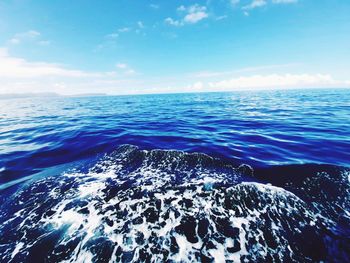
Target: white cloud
x=276 y=81
x=125 y=68
x=112 y=36
x=218 y=18
x=210 y=74
x=140 y=24
x=197 y=86
x=234 y=2
x=253 y=82
x=181 y=8
x=14 y=41
x=122 y=65
x=191 y=15
x=31 y=33
x=124 y=29
x=255 y=4
x=18 y=75
x=154 y=6
x=284 y=1
x=195 y=17
x=260 y=3
x=12 y=67
x=196 y=8
x=28 y=36
x=173 y=22
x=272 y=81
x=255 y=69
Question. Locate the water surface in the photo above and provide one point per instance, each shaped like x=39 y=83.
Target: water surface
x=157 y=177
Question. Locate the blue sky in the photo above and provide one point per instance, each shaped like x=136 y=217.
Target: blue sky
x=127 y=47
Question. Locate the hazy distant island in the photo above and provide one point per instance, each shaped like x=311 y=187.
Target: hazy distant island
x=46 y=95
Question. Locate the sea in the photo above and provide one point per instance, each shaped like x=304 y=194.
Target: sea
x=244 y=176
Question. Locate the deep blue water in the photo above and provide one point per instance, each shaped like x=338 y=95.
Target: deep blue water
x=259 y=128
x=295 y=140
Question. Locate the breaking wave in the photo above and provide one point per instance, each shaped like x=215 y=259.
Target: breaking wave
x=153 y=206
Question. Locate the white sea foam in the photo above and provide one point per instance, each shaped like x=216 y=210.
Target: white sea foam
x=168 y=207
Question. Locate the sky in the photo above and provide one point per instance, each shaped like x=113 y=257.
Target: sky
x=138 y=46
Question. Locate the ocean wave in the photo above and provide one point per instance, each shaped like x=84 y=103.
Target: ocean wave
x=153 y=206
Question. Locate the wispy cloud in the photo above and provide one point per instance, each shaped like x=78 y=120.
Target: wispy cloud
x=140 y=24
x=125 y=68
x=234 y=2
x=284 y=1
x=112 y=36
x=256 y=69
x=18 y=75
x=12 y=67
x=262 y=3
x=276 y=81
x=110 y=40
x=197 y=86
x=189 y=15
x=124 y=29
x=218 y=18
x=137 y=28
x=254 y=4
x=173 y=22
x=193 y=18
x=28 y=36
x=254 y=82
x=121 y=65
x=154 y=6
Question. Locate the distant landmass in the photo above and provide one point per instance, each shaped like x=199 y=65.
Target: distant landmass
x=28 y=95
x=88 y=95
x=46 y=94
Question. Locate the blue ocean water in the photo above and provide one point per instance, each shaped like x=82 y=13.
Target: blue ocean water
x=258 y=128
x=297 y=142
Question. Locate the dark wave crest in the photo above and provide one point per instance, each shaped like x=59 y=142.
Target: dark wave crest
x=135 y=205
